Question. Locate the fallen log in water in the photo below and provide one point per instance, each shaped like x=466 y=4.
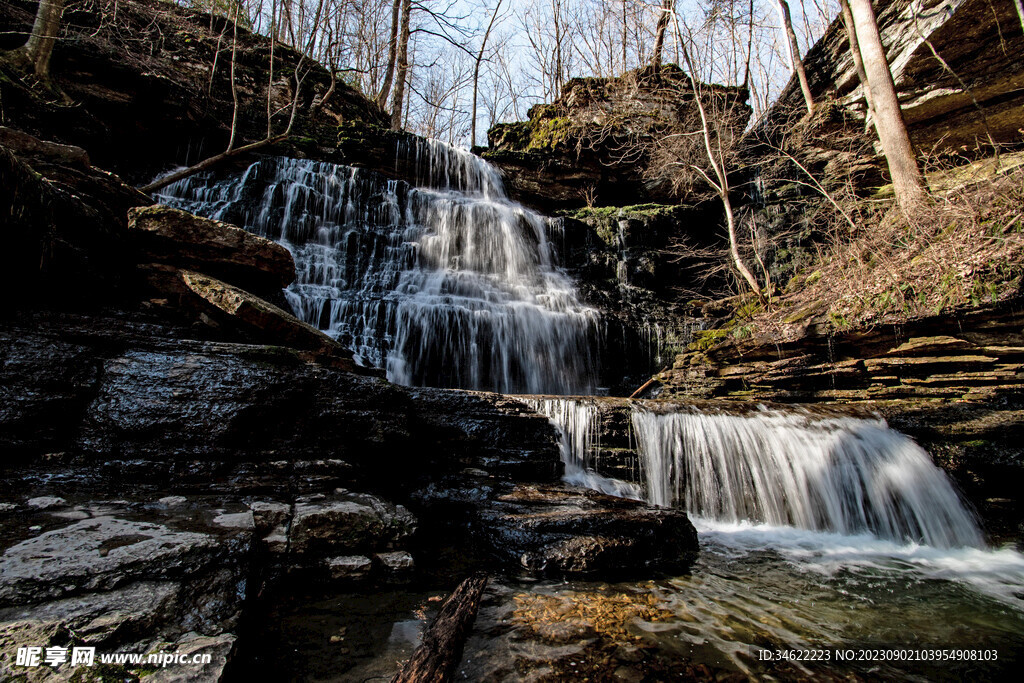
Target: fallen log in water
x=434 y=661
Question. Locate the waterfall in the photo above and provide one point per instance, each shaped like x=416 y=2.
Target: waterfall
x=838 y=474
x=445 y=282
x=579 y=423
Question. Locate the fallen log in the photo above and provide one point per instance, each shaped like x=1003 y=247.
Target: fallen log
x=436 y=658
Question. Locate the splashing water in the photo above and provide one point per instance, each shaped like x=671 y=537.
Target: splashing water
x=447 y=283
x=578 y=423
x=838 y=474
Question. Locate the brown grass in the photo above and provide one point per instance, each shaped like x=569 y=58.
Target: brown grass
x=966 y=249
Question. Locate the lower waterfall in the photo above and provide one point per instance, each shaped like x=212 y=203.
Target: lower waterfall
x=841 y=475
x=838 y=474
x=444 y=283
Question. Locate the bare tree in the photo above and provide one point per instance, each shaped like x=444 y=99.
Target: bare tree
x=476 y=70
x=45 y=31
x=715 y=149
x=402 y=67
x=907 y=181
x=858 y=63
x=667 y=11
x=389 y=74
x=795 y=60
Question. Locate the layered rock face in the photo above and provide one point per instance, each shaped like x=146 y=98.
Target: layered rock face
x=973 y=92
x=629 y=263
x=598 y=143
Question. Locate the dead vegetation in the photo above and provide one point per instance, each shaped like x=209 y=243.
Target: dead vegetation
x=964 y=250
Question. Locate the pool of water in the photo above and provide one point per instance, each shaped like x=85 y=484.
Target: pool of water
x=754 y=588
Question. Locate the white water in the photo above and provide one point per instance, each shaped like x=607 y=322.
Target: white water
x=837 y=474
x=444 y=284
x=843 y=497
x=995 y=572
x=841 y=475
x=578 y=422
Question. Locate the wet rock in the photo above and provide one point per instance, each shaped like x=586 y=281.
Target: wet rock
x=161 y=234
x=349 y=567
x=562 y=530
x=219 y=648
x=99 y=620
x=172 y=501
x=396 y=562
x=99 y=554
x=45 y=502
x=236 y=520
x=269 y=515
x=348 y=522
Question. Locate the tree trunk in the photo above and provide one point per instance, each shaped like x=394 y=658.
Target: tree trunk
x=402 y=67
x=476 y=70
x=892 y=130
x=795 y=61
x=44 y=35
x=389 y=74
x=435 y=660
x=659 y=39
x=721 y=182
x=858 y=62
x=234 y=83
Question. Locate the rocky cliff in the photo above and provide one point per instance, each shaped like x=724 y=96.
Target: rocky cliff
x=958 y=67
x=598 y=144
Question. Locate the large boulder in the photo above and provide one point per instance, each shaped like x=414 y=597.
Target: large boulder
x=161 y=234
x=347 y=521
x=125 y=577
x=562 y=530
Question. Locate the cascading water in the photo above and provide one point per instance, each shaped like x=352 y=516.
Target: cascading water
x=578 y=423
x=841 y=475
x=836 y=474
x=446 y=283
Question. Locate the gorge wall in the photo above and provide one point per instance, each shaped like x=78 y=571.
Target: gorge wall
x=976 y=93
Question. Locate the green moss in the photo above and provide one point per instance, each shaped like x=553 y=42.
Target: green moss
x=617 y=212
x=706 y=339
x=549 y=133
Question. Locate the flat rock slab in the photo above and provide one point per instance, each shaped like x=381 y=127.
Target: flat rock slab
x=99 y=554
x=562 y=530
x=161 y=234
